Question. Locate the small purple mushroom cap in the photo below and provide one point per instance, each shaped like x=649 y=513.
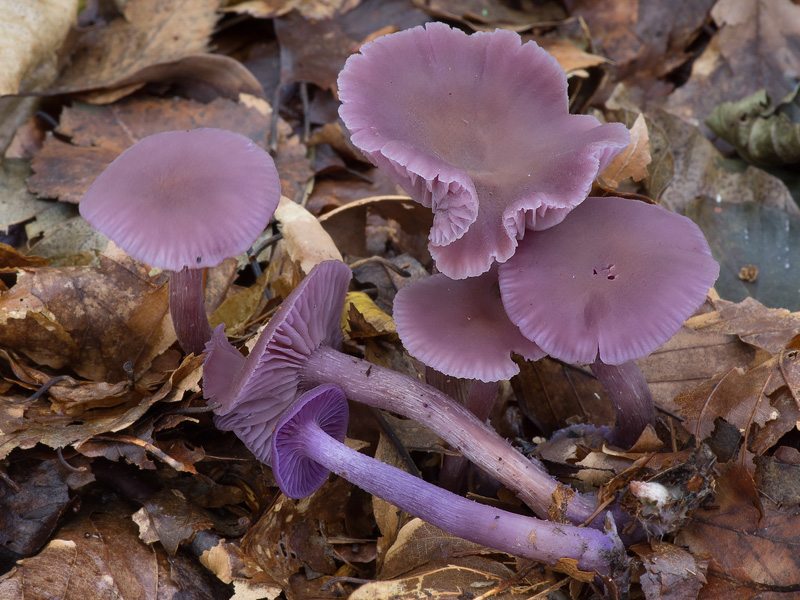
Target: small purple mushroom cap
x=253 y=392
x=185 y=198
x=459 y=327
x=296 y=474
x=477 y=128
x=615 y=280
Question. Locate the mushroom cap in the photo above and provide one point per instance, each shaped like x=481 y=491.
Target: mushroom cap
x=185 y=198
x=477 y=128
x=296 y=474
x=459 y=327
x=266 y=382
x=616 y=279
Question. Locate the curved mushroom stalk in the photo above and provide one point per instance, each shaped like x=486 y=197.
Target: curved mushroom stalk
x=183 y=201
x=297 y=351
x=187 y=306
x=307 y=444
x=610 y=284
x=631 y=398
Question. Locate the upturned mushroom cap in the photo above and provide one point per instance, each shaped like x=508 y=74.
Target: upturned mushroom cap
x=616 y=279
x=297 y=475
x=477 y=128
x=253 y=392
x=185 y=198
x=459 y=327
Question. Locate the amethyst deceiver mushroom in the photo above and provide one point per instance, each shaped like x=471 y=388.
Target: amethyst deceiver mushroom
x=476 y=127
x=297 y=351
x=608 y=285
x=459 y=327
x=182 y=201
x=307 y=444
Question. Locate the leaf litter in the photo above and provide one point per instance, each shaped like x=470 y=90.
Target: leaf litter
x=114 y=479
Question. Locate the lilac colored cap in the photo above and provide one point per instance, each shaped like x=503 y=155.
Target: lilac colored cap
x=616 y=279
x=185 y=198
x=459 y=327
x=253 y=392
x=295 y=473
x=477 y=128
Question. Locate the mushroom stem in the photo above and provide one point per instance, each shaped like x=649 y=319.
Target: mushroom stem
x=631 y=398
x=383 y=388
x=188 y=309
x=515 y=534
x=480 y=401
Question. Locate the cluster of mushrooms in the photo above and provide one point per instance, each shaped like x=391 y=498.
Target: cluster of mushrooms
x=477 y=128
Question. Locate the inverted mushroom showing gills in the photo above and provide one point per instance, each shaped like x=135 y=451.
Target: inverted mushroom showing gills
x=307 y=445
x=459 y=327
x=477 y=128
x=297 y=351
x=610 y=284
x=182 y=201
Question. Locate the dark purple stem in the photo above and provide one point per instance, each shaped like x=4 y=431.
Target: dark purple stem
x=480 y=401
x=509 y=532
x=383 y=388
x=631 y=398
x=187 y=306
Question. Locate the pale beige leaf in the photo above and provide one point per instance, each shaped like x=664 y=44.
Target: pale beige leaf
x=306 y=241
x=31 y=31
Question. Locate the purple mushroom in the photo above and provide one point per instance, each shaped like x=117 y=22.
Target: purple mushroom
x=610 y=284
x=459 y=327
x=182 y=201
x=307 y=445
x=477 y=128
x=297 y=351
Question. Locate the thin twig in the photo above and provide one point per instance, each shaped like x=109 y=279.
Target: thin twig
x=381 y=261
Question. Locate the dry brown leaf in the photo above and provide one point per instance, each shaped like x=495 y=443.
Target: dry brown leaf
x=756 y=48
x=306 y=240
x=631 y=162
x=95 y=556
x=294 y=534
x=347 y=225
x=11 y=260
x=736 y=396
x=767 y=328
x=310 y=9
x=151 y=32
x=647 y=40
x=168 y=517
x=100 y=556
x=569 y=56
x=487 y=15
x=29 y=513
x=88 y=319
x=31 y=32
x=35 y=422
x=671 y=573
x=99 y=134
x=17 y=204
x=443 y=580
x=752 y=546
x=699 y=174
